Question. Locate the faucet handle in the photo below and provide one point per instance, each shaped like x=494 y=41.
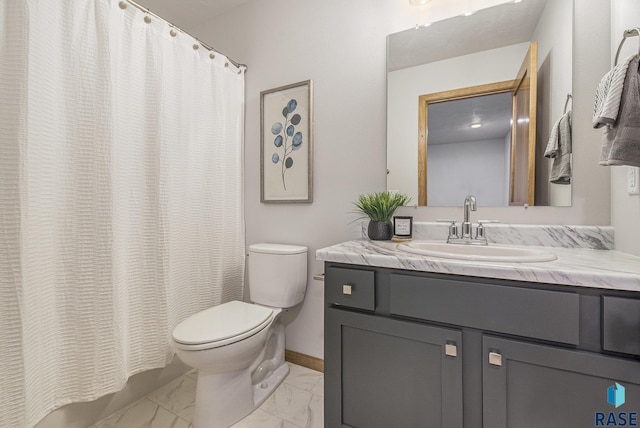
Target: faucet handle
x=480 y=232
x=453 y=228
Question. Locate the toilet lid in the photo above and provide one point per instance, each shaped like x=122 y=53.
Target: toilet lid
x=226 y=323
x=277 y=249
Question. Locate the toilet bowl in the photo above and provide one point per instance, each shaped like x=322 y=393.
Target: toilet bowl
x=226 y=356
x=238 y=347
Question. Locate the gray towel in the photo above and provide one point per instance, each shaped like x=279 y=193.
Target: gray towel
x=559 y=149
x=622 y=143
x=553 y=148
x=608 y=94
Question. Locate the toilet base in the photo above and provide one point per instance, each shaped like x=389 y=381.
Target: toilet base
x=263 y=390
x=222 y=399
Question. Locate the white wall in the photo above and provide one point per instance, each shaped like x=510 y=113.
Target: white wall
x=485 y=165
x=406 y=85
x=625 y=209
x=341 y=46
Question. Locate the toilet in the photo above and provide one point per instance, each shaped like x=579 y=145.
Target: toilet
x=238 y=347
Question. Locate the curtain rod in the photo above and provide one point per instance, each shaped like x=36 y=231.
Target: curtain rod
x=123 y=5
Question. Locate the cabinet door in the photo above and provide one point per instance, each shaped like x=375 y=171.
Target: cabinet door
x=382 y=372
x=536 y=386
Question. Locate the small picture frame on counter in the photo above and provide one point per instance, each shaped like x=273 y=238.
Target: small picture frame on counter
x=402 y=227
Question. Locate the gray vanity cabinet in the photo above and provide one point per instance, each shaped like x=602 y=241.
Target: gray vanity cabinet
x=382 y=372
x=403 y=348
x=391 y=373
x=529 y=385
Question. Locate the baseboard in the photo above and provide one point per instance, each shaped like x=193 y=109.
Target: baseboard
x=303 y=360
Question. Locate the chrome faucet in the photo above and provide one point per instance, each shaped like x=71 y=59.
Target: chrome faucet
x=466 y=235
x=469 y=205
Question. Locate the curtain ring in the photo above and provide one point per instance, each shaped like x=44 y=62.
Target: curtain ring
x=122 y=4
x=196 y=46
x=212 y=55
x=147 y=19
x=173 y=32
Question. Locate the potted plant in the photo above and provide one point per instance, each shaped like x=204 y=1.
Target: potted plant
x=379 y=207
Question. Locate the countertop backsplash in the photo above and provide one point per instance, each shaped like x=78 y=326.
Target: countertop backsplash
x=589 y=237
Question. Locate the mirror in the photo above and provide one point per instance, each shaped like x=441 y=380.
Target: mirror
x=457 y=56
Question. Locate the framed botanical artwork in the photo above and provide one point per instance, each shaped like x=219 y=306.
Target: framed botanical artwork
x=286 y=149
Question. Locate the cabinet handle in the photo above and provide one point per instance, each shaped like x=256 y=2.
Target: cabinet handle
x=495 y=359
x=346 y=290
x=451 y=350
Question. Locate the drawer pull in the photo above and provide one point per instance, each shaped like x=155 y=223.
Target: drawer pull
x=451 y=350
x=346 y=290
x=495 y=359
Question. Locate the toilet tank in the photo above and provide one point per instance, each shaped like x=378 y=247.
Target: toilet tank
x=277 y=274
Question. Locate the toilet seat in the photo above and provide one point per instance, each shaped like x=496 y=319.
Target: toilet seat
x=221 y=325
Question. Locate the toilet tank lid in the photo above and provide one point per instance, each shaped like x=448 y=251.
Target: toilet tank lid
x=277 y=249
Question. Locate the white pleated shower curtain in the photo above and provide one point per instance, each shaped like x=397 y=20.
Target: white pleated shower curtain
x=121 y=205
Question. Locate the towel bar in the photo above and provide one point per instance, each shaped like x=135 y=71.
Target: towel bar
x=632 y=32
x=566 y=103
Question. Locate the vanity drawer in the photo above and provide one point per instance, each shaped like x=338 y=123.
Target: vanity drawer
x=350 y=287
x=621 y=325
x=527 y=312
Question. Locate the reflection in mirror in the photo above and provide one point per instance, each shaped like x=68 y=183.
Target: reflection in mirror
x=481 y=149
x=463 y=52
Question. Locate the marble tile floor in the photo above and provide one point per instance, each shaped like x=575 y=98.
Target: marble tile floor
x=297 y=403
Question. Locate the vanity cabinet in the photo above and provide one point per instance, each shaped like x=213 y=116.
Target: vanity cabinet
x=531 y=385
x=416 y=349
x=391 y=371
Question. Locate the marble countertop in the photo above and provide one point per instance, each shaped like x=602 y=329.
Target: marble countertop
x=605 y=269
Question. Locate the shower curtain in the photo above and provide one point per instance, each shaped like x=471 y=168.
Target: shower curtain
x=121 y=196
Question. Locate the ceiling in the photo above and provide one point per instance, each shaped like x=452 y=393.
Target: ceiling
x=187 y=14
x=453 y=119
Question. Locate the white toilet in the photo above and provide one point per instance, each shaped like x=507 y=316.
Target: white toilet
x=238 y=347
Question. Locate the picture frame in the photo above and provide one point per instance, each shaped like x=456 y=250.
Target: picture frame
x=286 y=144
x=403 y=227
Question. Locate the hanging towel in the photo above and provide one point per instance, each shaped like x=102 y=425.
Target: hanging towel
x=559 y=149
x=608 y=95
x=622 y=142
x=552 y=149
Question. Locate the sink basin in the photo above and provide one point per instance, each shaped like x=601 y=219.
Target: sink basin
x=493 y=253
